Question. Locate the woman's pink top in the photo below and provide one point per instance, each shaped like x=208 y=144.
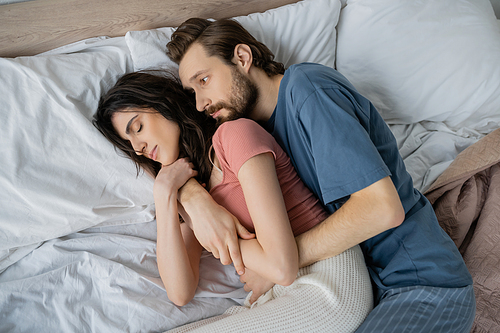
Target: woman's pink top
x=235 y=142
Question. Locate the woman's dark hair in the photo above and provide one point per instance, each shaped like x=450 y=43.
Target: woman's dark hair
x=162 y=92
x=219 y=38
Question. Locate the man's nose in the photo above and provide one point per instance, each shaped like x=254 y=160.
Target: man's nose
x=202 y=103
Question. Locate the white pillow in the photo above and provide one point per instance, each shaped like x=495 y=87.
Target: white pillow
x=436 y=60
x=299 y=32
x=148 y=48
x=58 y=174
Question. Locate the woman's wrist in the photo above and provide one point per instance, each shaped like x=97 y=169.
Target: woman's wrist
x=164 y=189
x=165 y=198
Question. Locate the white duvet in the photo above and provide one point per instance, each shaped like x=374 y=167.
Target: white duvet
x=105 y=280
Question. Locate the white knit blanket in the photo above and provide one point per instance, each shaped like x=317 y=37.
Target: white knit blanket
x=332 y=295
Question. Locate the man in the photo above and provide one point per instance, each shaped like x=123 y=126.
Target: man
x=347 y=156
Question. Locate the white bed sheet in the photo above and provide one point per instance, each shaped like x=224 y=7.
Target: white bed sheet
x=428 y=148
x=106 y=280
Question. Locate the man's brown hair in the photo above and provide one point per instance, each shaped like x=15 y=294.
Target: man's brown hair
x=219 y=38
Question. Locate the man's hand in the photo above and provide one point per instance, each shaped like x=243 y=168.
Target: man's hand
x=256 y=283
x=215 y=228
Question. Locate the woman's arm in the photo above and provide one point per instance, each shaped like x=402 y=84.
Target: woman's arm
x=178 y=251
x=215 y=228
x=273 y=254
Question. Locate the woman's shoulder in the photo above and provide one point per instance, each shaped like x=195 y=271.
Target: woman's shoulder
x=241 y=136
x=238 y=123
x=239 y=127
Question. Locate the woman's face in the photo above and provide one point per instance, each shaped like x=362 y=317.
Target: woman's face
x=149 y=133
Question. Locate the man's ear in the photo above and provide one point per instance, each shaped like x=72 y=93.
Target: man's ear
x=243 y=56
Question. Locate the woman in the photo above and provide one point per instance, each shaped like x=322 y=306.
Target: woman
x=155 y=122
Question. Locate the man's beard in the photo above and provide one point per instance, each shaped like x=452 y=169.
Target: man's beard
x=243 y=99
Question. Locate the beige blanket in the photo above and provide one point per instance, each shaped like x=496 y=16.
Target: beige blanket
x=333 y=295
x=466 y=198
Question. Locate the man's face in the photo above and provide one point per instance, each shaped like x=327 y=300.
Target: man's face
x=221 y=90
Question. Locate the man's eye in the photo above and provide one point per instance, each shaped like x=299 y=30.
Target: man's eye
x=204 y=80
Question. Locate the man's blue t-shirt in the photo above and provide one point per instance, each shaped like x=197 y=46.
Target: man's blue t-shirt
x=340 y=144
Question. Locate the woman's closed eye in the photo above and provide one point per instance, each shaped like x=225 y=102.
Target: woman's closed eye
x=139 y=129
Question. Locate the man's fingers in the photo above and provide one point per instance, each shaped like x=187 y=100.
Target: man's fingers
x=215 y=253
x=225 y=257
x=253 y=298
x=234 y=251
x=243 y=232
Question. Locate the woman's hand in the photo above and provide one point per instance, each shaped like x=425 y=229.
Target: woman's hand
x=171 y=177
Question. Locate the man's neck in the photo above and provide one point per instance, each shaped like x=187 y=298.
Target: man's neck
x=268 y=95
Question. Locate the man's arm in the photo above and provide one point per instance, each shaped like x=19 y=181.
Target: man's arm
x=215 y=228
x=367 y=213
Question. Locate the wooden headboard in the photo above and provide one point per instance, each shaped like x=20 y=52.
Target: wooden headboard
x=32 y=27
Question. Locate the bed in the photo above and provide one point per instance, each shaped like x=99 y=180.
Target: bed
x=77 y=222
